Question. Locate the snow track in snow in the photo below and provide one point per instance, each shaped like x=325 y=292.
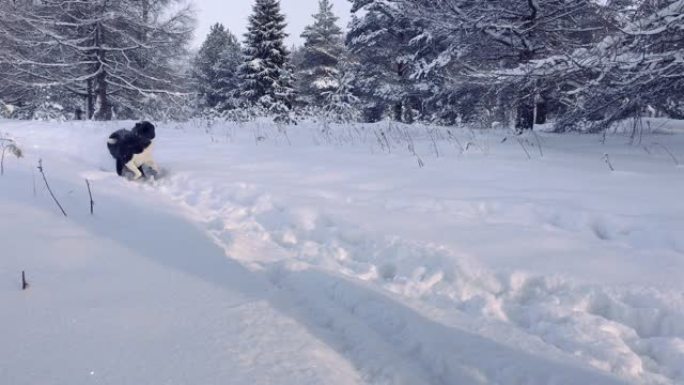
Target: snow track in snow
x=360 y=289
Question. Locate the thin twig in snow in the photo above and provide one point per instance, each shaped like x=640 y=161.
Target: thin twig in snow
x=452 y=137
x=2 y=161
x=33 y=178
x=24 y=283
x=674 y=159
x=40 y=168
x=434 y=141
x=536 y=136
x=90 y=194
x=524 y=148
x=606 y=159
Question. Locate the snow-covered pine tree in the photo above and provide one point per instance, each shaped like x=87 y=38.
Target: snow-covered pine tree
x=113 y=54
x=215 y=68
x=318 y=72
x=341 y=105
x=379 y=36
x=266 y=82
x=282 y=109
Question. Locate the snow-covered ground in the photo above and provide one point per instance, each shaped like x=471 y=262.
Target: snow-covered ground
x=313 y=256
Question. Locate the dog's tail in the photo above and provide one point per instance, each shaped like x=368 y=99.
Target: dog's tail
x=115 y=141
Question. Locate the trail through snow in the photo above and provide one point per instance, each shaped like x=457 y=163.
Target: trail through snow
x=341 y=265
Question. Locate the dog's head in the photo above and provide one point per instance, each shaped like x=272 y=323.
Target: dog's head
x=144 y=129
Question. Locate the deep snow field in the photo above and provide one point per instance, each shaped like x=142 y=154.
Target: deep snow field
x=312 y=256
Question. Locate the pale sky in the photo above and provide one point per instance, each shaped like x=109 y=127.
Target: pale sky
x=233 y=15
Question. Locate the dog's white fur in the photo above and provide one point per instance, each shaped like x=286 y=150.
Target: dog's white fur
x=140 y=160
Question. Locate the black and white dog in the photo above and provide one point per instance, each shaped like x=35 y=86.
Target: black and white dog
x=133 y=151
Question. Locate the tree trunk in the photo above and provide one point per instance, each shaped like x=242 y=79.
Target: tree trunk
x=524 y=119
x=542 y=110
x=90 y=100
x=525 y=111
x=398 y=108
x=145 y=16
x=103 y=110
x=143 y=31
x=397 y=111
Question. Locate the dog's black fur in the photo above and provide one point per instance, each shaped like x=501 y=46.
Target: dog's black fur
x=125 y=144
x=144 y=129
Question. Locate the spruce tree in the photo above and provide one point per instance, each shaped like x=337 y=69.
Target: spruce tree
x=341 y=104
x=380 y=36
x=215 y=68
x=265 y=79
x=323 y=47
